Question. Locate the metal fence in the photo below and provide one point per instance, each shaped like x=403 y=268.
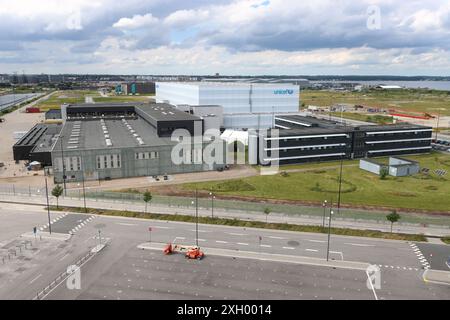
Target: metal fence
x=354 y=215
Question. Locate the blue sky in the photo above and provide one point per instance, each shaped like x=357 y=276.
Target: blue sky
x=226 y=36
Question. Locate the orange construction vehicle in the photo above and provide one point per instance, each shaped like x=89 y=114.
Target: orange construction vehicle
x=191 y=252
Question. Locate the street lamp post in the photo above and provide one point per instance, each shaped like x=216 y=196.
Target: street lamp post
x=329 y=234
x=48 y=207
x=82 y=180
x=324 y=205
x=196 y=216
x=63 y=163
x=212 y=203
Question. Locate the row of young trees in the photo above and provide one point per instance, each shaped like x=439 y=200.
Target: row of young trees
x=57 y=191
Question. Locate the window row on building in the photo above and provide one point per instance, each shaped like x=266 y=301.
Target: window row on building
x=110 y=161
x=146 y=155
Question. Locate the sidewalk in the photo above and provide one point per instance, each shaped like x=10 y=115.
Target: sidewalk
x=433 y=231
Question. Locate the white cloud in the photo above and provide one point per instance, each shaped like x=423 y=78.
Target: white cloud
x=136 y=22
x=186 y=18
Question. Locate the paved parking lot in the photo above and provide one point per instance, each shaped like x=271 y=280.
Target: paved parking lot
x=143 y=274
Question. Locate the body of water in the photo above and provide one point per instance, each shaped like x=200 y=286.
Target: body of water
x=436 y=85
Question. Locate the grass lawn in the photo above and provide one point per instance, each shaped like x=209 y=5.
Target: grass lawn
x=426 y=192
x=68 y=96
x=122 y=99
x=78 y=96
x=414 y=100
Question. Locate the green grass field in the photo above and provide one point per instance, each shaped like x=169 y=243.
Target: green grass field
x=426 y=192
x=410 y=100
x=78 y=96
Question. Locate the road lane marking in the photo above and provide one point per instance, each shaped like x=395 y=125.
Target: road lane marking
x=289 y=248
x=312 y=250
x=156 y=227
x=40 y=275
x=200 y=231
x=242 y=244
x=235 y=234
x=65 y=256
x=360 y=244
x=126 y=224
x=220 y=241
x=266 y=246
x=273 y=237
x=319 y=241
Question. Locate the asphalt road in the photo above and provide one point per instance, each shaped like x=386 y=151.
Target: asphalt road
x=108 y=273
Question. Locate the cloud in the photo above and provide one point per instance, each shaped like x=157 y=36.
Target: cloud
x=186 y=18
x=227 y=36
x=136 y=22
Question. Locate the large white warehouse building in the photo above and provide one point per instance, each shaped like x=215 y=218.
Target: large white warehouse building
x=245 y=105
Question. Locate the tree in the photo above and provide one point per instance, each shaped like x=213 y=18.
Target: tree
x=393 y=217
x=384 y=173
x=147 y=198
x=266 y=212
x=57 y=192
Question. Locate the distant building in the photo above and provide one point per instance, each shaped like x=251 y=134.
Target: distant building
x=383 y=87
x=136 y=88
x=245 y=105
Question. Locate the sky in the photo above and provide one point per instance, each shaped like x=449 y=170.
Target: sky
x=230 y=37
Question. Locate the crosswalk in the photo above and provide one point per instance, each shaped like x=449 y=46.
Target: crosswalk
x=81 y=224
x=423 y=261
x=53 y=221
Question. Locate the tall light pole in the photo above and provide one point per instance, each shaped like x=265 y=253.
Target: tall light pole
x=196 y=217
x=48 y=207
x=82 y=180
x=329 y=234
x=212 y=203
x=63 y=163
x=324 y=205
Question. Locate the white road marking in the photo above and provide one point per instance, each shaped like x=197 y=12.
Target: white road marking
x=312 y=250
x=204 y=231
x=242 y=244
x=289 y=248
x=64 y=256
x=40 y=275
x=220 y=241
x=273 y=237
x=126 y=224
x=360 y=244
x=266 y=246
x=202 y=240
x=235 y=234
x=319 y=241
x=158 y=227
x=371 y=285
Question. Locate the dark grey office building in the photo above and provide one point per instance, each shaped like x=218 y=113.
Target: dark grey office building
x=305 y=139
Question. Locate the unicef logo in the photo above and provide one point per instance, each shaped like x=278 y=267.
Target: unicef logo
x=287 y=91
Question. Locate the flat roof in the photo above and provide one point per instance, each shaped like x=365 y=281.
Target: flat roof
x=90 y=134
x=165 y=112
x=308 y=121
x=391 y=127
x=313 y=131
x=228 y=84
